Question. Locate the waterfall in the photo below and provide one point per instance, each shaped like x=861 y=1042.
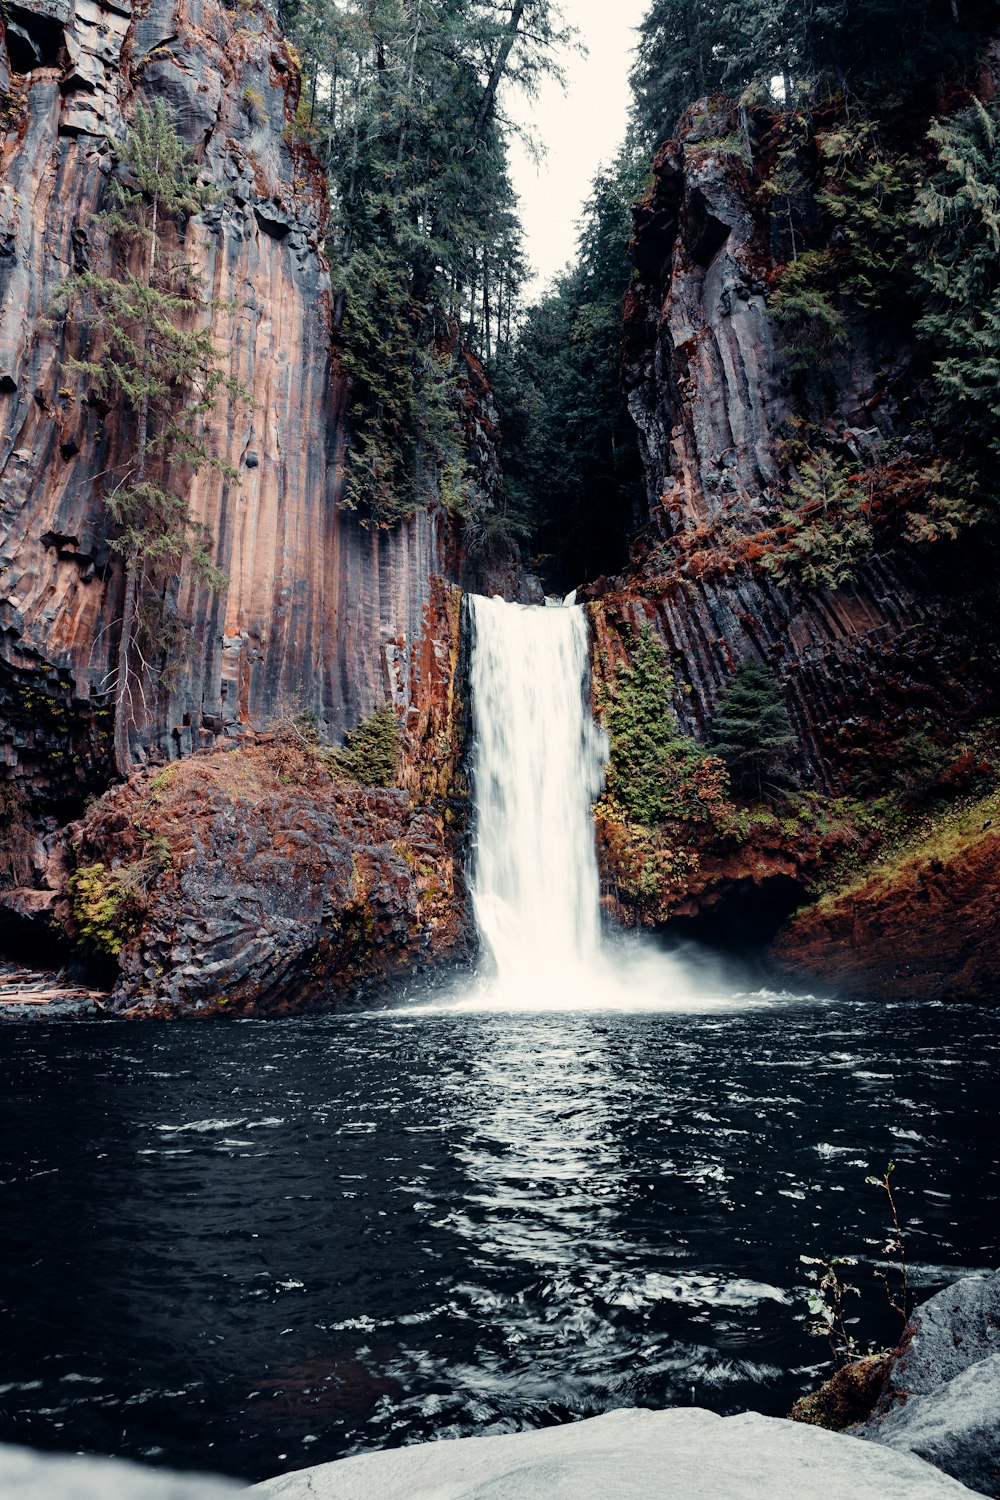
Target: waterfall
x=538 y=763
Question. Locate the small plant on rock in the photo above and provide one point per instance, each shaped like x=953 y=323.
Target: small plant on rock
x=897 y=1289
x=370 y=754
x=827 y=1298
x=751 y=727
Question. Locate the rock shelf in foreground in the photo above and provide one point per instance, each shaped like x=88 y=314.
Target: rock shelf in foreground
x=679 y=1454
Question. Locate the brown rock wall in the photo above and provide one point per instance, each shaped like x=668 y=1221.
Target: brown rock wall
x=930 y=932
x=709 y=388
x=256 y=882
x=320 y=613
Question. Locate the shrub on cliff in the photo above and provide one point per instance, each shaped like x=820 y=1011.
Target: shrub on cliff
x=957 y=219
x=751 y=726
x=370 y=754
x=655 y=773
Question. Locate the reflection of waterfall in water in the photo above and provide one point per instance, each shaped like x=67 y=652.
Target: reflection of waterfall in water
x=538 y=763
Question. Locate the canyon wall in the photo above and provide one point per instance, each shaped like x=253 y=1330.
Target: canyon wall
x=321 y=614
x=906 y=644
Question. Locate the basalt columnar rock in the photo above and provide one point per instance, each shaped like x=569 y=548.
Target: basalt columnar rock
x=321 y=614
x=711 y=389
x=907 y=649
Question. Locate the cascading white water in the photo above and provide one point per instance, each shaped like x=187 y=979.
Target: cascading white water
x=538 y=763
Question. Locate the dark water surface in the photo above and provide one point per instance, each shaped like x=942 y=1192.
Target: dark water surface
x=251 y=1246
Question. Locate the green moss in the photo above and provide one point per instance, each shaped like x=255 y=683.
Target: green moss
x=848 y=1398
x=655 y=774
x=253 y=105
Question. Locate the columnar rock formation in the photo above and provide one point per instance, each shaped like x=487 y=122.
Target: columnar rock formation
x=710 y=390
x=320 y=614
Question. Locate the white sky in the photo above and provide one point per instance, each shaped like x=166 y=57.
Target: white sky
x=581 y=128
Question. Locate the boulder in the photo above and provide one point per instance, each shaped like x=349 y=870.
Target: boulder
x=25 y=1475
x=684 y=1452
x=942 y=1399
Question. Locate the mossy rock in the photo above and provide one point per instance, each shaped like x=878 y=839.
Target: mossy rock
x=848 y=1398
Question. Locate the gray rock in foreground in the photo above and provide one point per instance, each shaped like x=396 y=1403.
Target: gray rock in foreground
x=942 y=1401
x=25 y=1475
x=680 y=1454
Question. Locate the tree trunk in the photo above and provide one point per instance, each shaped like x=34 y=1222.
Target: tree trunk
x=123 y=682
x=497 y=71
x=409 y=96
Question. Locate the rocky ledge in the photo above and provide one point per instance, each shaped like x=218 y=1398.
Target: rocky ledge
x=922 y=923
x=941 y=1401
x=630 y=1455
x=254 y=882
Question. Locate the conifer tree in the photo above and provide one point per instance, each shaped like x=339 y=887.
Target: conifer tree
x=149 y=353
x=404 y=103
x=957 y=218
x=751 y=726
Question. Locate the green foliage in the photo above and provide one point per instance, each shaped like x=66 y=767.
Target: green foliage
x=151 y=355
x=405 y=110
x=680 y=57
x=827 y=1303
x=886 y=54
x=826 y=522
x=957 y=217
x=570 y=447
x=918 y=763
x=751 y=727
x=370 y=754
x=866 y=191
x=253 y=104
x=655 y=773
x=815 y=327
x=897 y=1285
x=108 y=903
x=15 y=836
x=99 y=909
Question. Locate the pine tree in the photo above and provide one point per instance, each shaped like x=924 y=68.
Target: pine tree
x=570 y=445
x=957 y=219
x=751 y=726
x=680 y=56
x=405 y=106
x=151 y=356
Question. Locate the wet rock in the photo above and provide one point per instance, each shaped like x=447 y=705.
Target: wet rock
x=848 y=1398
x=255 y=883
x=707 y=375
x=942 y=1399
x=320 y=614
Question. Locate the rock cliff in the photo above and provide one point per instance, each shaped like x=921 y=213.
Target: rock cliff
x=708 y=374
x=901 y=657
x=321 y=615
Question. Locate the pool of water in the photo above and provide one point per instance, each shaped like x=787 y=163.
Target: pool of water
x=252 y=1246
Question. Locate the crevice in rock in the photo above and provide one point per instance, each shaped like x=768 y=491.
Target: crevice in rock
x=33 y=40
